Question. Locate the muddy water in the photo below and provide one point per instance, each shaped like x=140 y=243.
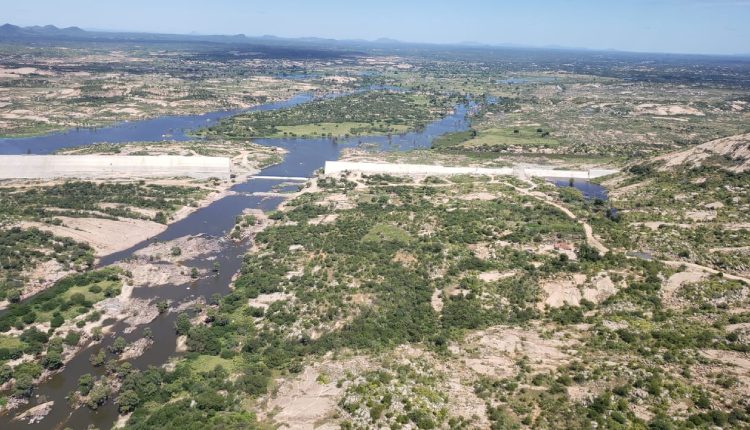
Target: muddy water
x=589 y=190
x=304 y=157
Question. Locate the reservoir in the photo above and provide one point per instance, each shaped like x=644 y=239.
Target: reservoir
x=303 y=158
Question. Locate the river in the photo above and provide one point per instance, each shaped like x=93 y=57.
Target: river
x=303 y=158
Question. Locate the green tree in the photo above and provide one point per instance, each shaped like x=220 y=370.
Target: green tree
x=119 y=345
x=24 y=384
x=85 y=384
x=127 y=401
x=57 y=320
x=6 y=373
x=182 y=325
x=98 y=395
x=52 y=360
x=97 y=359
x=162 y=306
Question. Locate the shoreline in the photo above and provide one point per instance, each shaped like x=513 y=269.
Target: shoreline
x=113 y=245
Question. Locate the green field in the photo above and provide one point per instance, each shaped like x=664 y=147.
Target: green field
x=386 y=233
x=521 y=136
x=339 y=129
x=206 y=363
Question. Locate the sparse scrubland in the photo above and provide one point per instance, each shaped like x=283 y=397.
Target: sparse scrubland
x=410 y=302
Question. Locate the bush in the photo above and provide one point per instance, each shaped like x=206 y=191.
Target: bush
x=72 y=338
x=85 y=384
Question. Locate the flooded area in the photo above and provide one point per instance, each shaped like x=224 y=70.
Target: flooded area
x=590 y=190
x=303 y=158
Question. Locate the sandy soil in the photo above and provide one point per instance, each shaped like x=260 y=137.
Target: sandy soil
x=338 y=201
x=673 y=283
x=36 y=414
x=43 y=276
x=404 y=258
x=146 y=274
x=304 y=402
x=437 y=301
x=190 y=247
x=265 y=300
x=494 y=352
x=323 y=219
x=666 y=110
x=562 y=291
x=495 y=275
x=734 y=148
x=104 y=235
x=698 y=267
x=479 y=196
x=736 y=359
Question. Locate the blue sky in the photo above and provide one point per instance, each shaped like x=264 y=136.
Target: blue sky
x=684 y=26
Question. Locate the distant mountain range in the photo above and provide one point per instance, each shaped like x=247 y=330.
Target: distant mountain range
x=51 y=32
x=14 y=31
x=10 y=32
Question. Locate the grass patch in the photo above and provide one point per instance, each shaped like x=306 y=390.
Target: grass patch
x=10 y=342
x=521 y=136
x=207 y=363
x=386 y=233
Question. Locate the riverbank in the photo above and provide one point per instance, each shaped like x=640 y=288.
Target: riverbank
x=216 y=270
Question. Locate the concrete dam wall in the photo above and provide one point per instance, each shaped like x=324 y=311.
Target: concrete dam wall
x=112 y=167
x=333 y=167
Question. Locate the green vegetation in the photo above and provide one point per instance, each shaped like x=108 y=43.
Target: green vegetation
x=23 y=249
x=357 y=114
x=68 y=298
x=447 y=303
x=695 y=214
x=87 y=199
x=497 y=140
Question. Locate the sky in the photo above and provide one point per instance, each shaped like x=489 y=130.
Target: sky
x=679 y=26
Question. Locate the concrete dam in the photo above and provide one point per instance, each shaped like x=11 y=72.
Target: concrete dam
x=112 y=166
x=334 y=167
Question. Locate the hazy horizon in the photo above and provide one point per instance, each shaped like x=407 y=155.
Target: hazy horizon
x=666 y=26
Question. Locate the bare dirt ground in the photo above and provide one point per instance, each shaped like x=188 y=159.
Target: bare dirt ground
x=495 y=275
x=666 y=110
x=694 y=266
x=43 y=276
x=562 y=291
x=146 y=274
x=265 y=300
x=189 y=247
x=673 y=283
x=104 y=235
x=309 y=401
x=496 y=350
x=734 y=148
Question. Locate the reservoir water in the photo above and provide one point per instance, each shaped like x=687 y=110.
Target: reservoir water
x=304 y=157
